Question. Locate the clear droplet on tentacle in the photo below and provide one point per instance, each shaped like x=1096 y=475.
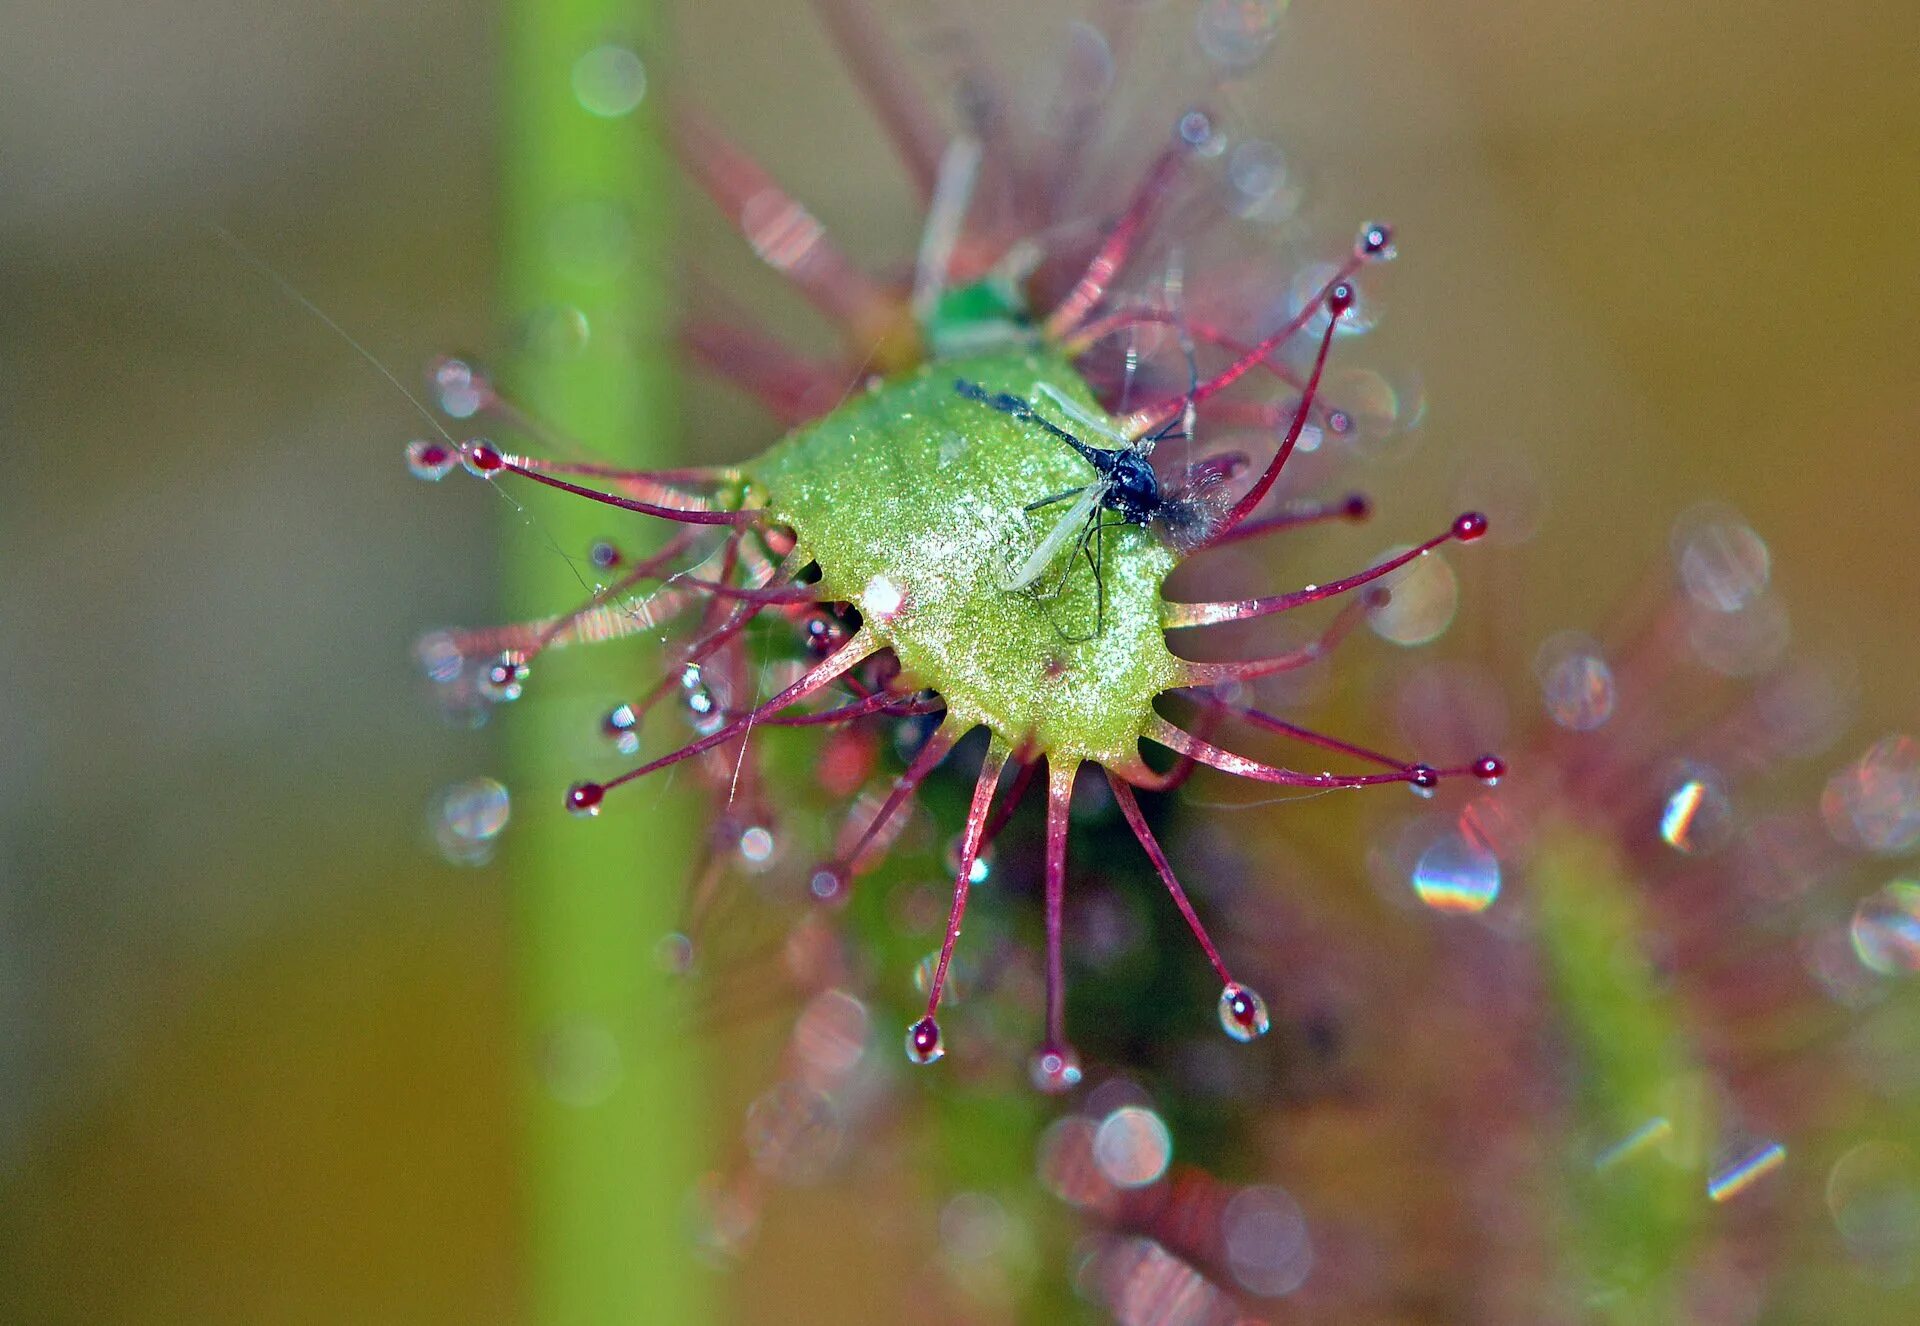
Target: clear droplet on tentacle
x=1375 y=243
x=621 y=726
x=430 y=459
x=1243 y=1013
x=1054 y=1069
x=1308 y=294
x=505 y=678
x=923 y=1042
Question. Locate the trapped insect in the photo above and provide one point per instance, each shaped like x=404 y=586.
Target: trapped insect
x=1125 y=486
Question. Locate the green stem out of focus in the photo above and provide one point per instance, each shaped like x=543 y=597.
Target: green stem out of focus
x=1643 y=1099
x=613 y=1105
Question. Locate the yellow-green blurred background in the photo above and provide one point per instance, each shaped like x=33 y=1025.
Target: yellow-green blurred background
x=254 y=1034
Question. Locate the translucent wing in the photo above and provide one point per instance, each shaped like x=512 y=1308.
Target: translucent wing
x=1072 y=521
x=1090 y=427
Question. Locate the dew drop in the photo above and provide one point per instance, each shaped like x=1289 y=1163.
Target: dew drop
x=829 y=883
x=440 y=658
x=825 y=633
x=1743 y=643
x=1234 y=34
x=1873 y=1195
x=982 y=860
x=1197 y=130
x=553 y=331
x=1874 y=803
x=458 y=388
x=1424 y=596
x=1742 y=1168
x=974 y=1228
x=830 y=1037
x=467 y=817
x=1262 y=190
x=506 y=677
x=1243 y=1013
x=1065 y=1162
x=584 y=799
x=609 y=81
x=1575 y=682
x=1132 y=1147
x=1723 y=564
x=621 y=726
x=674 y=953
x=1311 y=297
x=1886 y=929
x=726 y=1214
x=1267 y=1246
x=431 y=460
x=1458 y=876
x=481 y=458
x=1423 y=780
x=1490 y=769
x=1697 y=817
x=793 y=1133
x=1054 y=1069
x=923 y=1042
x=1375 y=243
x=757 y=846
x=703 y=707
x=605 y=555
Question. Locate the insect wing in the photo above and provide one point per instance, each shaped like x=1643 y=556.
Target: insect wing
x=1064 y=531
x=1090 y=425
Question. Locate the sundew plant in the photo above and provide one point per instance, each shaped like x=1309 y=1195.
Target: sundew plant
x=960 y=584
x=982 y=524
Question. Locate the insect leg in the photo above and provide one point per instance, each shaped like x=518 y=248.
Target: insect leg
x=1057 y=497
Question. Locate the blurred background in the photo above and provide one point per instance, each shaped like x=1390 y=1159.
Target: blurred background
x=255 y=1028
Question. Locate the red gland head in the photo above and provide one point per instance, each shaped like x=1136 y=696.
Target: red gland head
x=1469 y=526
x=923 y=1041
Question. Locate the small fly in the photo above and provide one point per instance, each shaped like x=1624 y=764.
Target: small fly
x=1125 y=486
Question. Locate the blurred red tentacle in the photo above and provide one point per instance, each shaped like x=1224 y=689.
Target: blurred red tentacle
x=884 y=78
x=790 y=240
x=1118 y=246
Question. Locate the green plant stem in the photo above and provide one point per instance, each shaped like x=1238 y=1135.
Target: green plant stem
x=613 y=1103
